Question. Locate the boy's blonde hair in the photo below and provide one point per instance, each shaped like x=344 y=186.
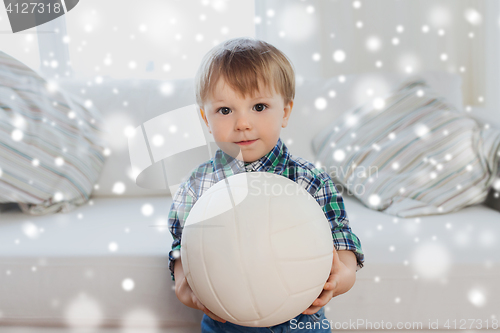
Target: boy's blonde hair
x=243 y=63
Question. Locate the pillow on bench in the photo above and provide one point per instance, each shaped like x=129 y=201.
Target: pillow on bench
x=51 y=151
x=411 y=153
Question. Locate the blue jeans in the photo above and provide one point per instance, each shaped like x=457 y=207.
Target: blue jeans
x=316 y=322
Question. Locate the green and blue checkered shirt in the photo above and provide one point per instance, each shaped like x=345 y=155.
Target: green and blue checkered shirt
x=279 y=161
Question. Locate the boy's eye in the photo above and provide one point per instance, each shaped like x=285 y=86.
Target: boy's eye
x=224 y=110
x=260 y=107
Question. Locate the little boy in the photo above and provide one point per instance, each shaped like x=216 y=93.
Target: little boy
x=245 y=90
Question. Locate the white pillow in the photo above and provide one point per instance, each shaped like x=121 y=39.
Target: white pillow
x=412 y=154
x=51 y=152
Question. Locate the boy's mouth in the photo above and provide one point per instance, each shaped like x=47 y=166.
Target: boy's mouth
x=246 y=142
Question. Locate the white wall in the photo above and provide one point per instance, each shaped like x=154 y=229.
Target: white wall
x=154 y=39
x=303 y=28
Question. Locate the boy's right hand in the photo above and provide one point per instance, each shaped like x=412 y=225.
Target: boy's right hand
x=186 y=295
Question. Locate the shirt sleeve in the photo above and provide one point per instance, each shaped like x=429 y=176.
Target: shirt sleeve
x=183 y=201
x=332 y=204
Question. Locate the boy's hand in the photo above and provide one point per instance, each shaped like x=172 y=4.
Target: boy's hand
x=341 y=277
x=186 y=295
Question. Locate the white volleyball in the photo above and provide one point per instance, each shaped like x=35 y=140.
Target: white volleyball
x=257 y=249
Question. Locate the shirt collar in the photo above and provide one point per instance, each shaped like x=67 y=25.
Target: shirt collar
x=273 y=159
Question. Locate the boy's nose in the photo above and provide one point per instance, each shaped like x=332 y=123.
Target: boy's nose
x=242 y=123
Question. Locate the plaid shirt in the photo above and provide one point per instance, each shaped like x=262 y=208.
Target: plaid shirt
x=279 y=161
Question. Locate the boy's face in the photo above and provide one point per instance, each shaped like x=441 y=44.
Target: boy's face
x=233 y=119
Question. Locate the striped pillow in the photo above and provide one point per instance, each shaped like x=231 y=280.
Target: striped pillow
x=410 y=154
x=51 y=153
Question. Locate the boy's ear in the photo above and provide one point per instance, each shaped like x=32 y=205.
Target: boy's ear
x=204 y=118
x=286 y=115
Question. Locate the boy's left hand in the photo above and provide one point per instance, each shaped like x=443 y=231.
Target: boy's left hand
x=331 y=287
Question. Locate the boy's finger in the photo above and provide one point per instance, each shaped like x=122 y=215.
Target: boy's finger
x=208 y=312
x=323 y=299
x=325 y=296
x=198 y=304
x=312 y=309
x=331 y=284
x=214 y=317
